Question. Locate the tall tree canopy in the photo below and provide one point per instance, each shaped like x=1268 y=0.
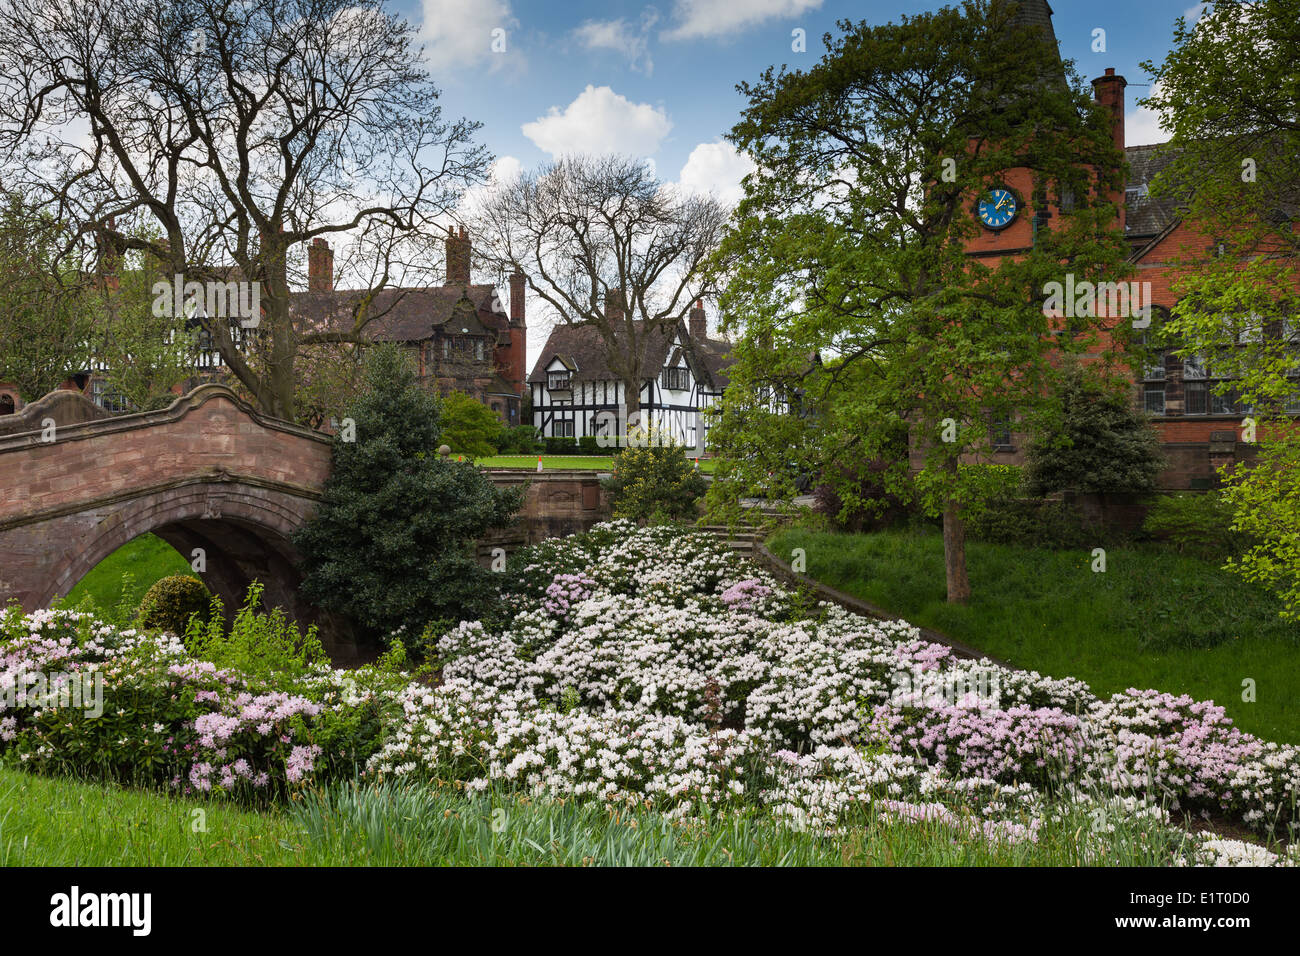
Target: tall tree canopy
x=603 y=241
x=234 y=132
x=848 y=271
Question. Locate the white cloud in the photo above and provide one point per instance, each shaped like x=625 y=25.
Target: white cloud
x=716 y=169
x=459 y=33
x=600 y=121
x=1142 y=125
x=699 y=19
x=622 y=37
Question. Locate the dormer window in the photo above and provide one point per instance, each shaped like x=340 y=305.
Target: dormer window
x=676 y=379
x=557 y=381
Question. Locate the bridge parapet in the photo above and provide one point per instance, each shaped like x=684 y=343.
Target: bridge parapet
x=208 y=433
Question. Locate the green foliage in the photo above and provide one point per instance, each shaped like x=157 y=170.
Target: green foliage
x=46 y=327
x=654 y=483
x=851 y=244
x=391 y=544
x=1032 y=523
x=559 y=446
x=519 y=440
x=1265 y=500
x=1153 y=619
x=1092 y=440
x=470 y=428
x=1196 y=524
x=589 y=445
x=172 y=602
x=144 y=354
x=258 y=643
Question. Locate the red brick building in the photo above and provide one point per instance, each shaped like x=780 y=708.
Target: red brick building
x=1199 y=430
x=463 y=338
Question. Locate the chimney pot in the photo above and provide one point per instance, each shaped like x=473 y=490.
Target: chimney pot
x=699 y=326
x=459 y=250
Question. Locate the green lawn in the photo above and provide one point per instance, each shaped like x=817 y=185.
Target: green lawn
x=1152 y=619
x=146 y=558
x=583 y=462
x=64 y=822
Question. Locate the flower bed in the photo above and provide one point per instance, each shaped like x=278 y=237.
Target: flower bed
x=652 y=665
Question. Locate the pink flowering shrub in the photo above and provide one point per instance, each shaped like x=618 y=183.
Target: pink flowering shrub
x=1037 y=745
x=171 y=721
x=746 y=595
x=566 y=590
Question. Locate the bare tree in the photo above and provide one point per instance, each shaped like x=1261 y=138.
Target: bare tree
x=604 y=242
x=235 y=131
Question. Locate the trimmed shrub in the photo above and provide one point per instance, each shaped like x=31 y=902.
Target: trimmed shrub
x=862 y=503
x=1095 y=441
x=519 y=440
x=1032 y=522
x=587 y=445
x=656 y=483
x=172 y=601
x=560 y=446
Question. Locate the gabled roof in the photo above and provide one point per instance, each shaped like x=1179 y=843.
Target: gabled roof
x=1146 y=216
x=582 y=349
x=402 y=315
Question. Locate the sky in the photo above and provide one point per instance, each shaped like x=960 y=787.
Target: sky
x=658 y=81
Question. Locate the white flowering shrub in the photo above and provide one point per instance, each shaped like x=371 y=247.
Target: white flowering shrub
x=652 y=665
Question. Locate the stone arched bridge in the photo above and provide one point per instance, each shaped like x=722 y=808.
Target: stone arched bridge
x=206 y=472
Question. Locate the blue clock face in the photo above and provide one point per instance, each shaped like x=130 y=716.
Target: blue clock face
x=997 y=209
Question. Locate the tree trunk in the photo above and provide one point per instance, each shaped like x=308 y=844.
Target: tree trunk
x=632 y=412
x=954 y=548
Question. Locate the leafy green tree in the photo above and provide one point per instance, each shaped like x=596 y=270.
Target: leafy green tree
x=469 y=427
x=858 y=308
x=46 y=325
x=143 y=354
x=391 y=545
x=1094 y=440
x=1228 y=94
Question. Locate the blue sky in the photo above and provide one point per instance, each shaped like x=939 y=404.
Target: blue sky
x=658 y=80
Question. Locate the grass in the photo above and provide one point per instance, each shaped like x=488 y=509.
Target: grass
x=146 y=559
x=1152 y=619
x=65 y=822
x=581 y=462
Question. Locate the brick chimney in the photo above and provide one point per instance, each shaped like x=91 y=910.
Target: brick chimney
x=699 y=325
x=320 y=266
x=1108 y=90
x=517 y=298
x=512 y=358
x=614 y=305
x=458 y=254
x=110 y=260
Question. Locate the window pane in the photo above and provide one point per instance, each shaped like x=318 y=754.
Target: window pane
x=1193 y=367
x=1196 y=398
x=1154 y=399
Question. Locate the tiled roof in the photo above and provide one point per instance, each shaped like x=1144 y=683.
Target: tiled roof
x=402 y=315
x=1146 y=216
x=582 y=349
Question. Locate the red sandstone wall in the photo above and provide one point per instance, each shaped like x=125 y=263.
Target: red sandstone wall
x=89 y=462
